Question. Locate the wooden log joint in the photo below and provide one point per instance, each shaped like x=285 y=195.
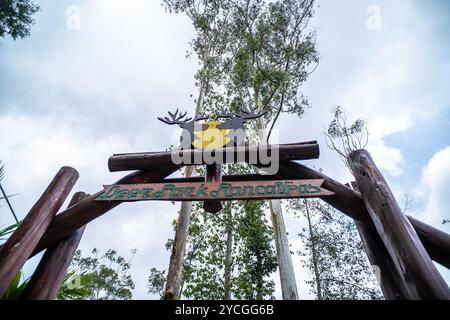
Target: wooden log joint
x=349 y=202
x=21 y=244
x=417 y=272
x=52 y=269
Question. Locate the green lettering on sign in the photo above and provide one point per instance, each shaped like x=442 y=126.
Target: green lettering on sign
x=200 y=191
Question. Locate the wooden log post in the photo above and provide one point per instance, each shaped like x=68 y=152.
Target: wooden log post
x=388 y=277
x=349 y=202
x=49 y=274
x=213 y=174
x=380 y=260
x=20 y=245
x=412 y=261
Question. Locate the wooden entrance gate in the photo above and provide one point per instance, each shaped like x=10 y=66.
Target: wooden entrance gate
x=401 y=247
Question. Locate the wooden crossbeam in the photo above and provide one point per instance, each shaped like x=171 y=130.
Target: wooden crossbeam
x=349 y=202
x=88 y=209
x=151 y=160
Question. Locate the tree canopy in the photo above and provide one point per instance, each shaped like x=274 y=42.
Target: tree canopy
x=16 y=18
x=107 y=276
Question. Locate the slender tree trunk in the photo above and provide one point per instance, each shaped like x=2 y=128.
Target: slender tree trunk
x=174 y=275
x=287 y=275
x=229 y=250
x=313 y=252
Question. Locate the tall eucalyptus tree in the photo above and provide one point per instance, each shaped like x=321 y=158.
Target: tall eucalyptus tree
x=253 y=54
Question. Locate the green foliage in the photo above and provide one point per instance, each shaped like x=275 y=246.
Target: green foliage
x=241 y=228
x=156 y=281
x=256 y=259
x=253 y=53
x=104 y=277
x=7 y=230
x=344 y=138
x=16 y=18
x=203 y=272
x=74 y=286
x=272 y=54
x=15 y=288
x=334 y=255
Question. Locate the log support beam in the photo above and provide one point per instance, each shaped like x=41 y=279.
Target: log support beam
x=21 y=244
x=52 y=269
x=417 y=272
x=349 y=202
x=88 y=209
x=380 y=260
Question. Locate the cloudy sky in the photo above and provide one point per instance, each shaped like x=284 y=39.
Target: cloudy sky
x=94 y=75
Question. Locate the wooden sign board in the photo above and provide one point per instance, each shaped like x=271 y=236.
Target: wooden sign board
x=200 y=191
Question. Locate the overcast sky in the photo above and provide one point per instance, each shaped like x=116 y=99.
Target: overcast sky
x=75 y=93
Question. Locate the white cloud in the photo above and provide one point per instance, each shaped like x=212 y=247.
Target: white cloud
x=436 y=180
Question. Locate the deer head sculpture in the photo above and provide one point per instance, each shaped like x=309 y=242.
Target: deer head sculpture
x=212 y=134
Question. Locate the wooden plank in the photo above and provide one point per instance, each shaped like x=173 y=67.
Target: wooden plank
x=20 y=245
x=52 y=269
x=200 y=191
x=213 y=175
x=414 y=265
x=349 y=202
x=251 y=154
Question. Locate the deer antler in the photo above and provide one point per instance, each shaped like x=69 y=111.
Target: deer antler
x=201 y=117
x=248 y=115
x=175 y=118
x=225 y=115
